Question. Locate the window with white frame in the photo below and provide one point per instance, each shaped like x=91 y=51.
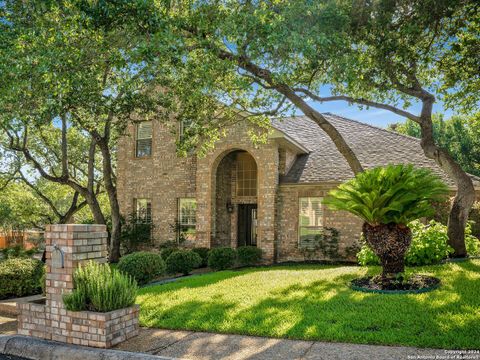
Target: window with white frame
x=187 y=217
x=143 y=138
x=310 y=220
x=143 y=209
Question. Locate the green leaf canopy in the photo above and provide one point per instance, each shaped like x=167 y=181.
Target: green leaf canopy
x=392 y=194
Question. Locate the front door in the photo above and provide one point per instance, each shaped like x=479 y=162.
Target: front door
x=247 y=224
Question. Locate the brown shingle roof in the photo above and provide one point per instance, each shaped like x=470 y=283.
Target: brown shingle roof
x=373 y=147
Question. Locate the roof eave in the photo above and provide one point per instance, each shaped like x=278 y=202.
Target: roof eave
x=288 y=141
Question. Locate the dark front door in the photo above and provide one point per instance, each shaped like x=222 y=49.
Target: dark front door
x=247 y=224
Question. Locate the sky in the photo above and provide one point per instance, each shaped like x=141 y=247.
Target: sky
x=376 y=117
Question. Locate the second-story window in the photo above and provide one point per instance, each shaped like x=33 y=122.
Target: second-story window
x=143 y=137
x=183 y=128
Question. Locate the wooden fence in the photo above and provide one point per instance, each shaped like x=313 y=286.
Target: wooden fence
x=18 y=238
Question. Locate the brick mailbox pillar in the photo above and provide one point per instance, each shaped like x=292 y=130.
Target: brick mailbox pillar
x=76 y=244
x=67 y=247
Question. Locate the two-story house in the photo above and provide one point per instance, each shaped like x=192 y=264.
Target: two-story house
x=269 y=195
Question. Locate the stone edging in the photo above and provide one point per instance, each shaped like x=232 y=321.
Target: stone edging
x=38 y=349
x=393 y=292
x=458 y=260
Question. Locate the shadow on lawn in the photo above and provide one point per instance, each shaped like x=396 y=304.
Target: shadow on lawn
x=329 y=310
x=215 y=277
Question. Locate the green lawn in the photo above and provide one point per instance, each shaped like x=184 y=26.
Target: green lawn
x=315 y=302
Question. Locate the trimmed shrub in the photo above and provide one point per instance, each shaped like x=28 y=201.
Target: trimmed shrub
x=143 y=266
x=203 y=253
x=17 y=252
x=20 y=277
x=169 y=244
x=474 y=218
x=136 y=232
x=249 y=255
x=222 y=258
x=471 y=242
x=366 y=256
x=100 y=288
x=166 y=252
x=429 y=245
x=183 y=261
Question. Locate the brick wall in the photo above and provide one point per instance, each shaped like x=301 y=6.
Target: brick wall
x=225 y=185
x=349 y=226
x=267 y=159
x=163 y=178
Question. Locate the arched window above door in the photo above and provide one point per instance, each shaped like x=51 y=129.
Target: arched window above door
x=246 y=174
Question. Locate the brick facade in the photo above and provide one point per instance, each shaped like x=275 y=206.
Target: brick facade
x=164 y=177
x=52 y=321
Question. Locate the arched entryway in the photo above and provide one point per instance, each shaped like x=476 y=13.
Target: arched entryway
x=234 y=199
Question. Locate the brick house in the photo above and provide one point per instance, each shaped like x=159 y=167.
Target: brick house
x=267 y=195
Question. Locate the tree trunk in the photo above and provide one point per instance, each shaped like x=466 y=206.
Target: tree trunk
x=325 y=125
x=389 y=242
x=111 y=189
x=95 y=208
x=310 y=112
x=465 y=196
x=457 y=221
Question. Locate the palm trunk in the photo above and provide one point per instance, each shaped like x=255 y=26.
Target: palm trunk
x=389 y=242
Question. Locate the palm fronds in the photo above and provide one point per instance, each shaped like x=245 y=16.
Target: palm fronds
x=392 y=194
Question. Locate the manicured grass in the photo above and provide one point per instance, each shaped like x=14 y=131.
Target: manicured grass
x=315 y=303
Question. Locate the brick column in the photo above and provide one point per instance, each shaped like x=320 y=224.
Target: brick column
x=267 y=191
x=78 y=243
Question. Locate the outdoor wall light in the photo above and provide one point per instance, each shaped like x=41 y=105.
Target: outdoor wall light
x=229 y=207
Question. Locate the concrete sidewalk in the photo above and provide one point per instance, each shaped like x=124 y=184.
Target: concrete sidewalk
x=206 y=346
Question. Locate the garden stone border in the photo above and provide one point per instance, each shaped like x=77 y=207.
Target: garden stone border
x=393 y=292
x=459 y=260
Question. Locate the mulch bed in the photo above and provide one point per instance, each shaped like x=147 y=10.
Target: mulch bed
x=414 y=284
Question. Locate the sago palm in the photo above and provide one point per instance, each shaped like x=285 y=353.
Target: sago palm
x=387 y=199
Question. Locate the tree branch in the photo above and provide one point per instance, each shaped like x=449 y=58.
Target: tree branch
x=361 y=101
x=40 y=194
x=64 y=148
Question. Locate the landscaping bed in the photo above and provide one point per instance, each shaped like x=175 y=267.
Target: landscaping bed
x=315 y=302
x=413 y=284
